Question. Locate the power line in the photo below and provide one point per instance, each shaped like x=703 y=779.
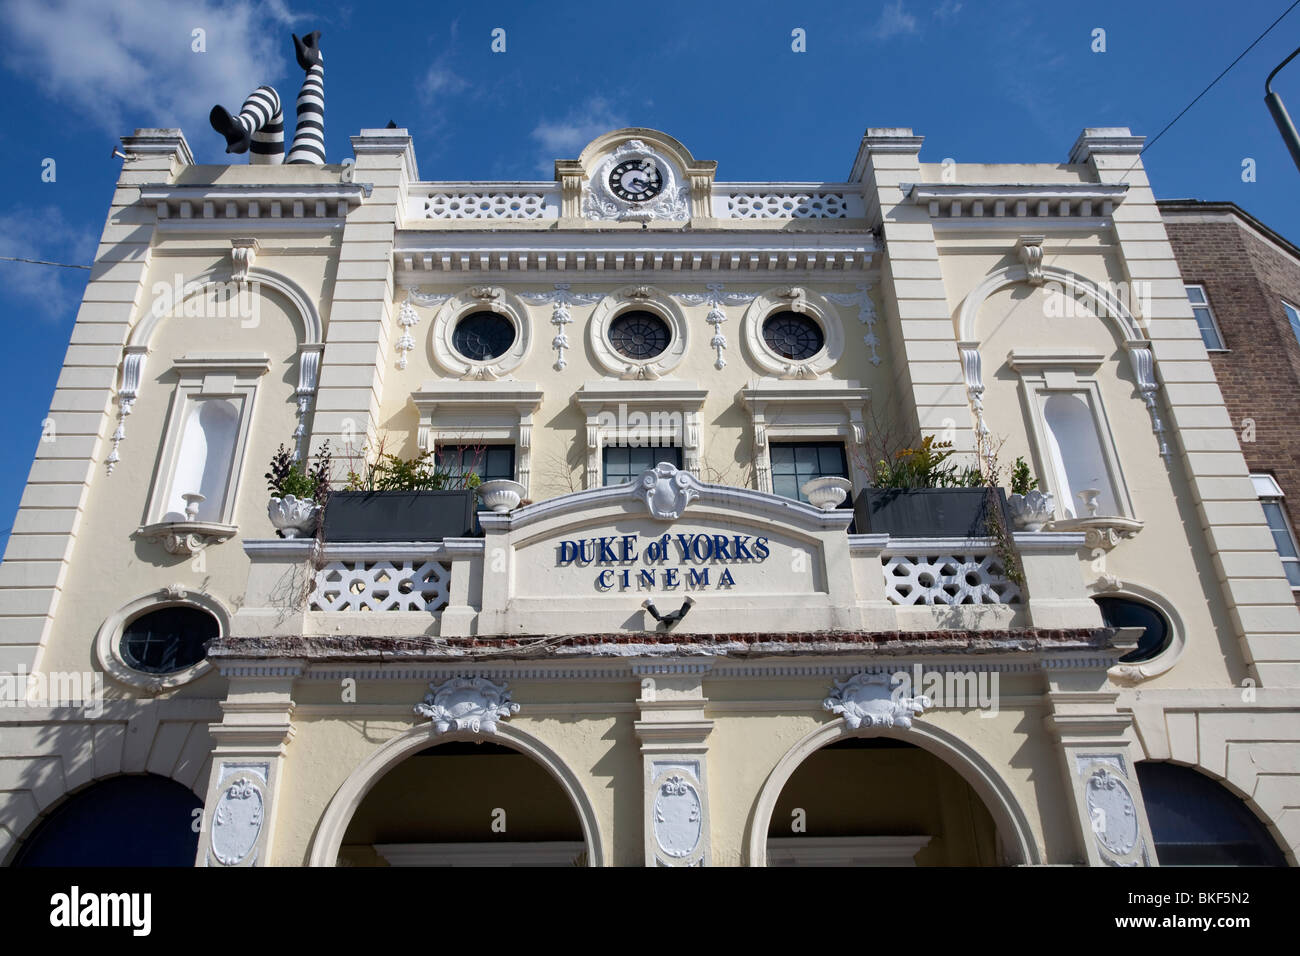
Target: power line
x=70 y=265
x=1220 y=76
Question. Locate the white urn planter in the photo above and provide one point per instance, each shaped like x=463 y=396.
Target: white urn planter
x=293 y=517
x=501 y=495
x=827 y=493
x=1031 y=511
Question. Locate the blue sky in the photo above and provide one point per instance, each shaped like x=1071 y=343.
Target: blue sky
x=1012 y=81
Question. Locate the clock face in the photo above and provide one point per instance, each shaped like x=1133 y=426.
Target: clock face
x=636 y=180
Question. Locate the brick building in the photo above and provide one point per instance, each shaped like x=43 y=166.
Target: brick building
x=1243 y=282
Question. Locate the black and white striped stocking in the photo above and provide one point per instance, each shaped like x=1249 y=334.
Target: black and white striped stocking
x=259 y=127
x=309 y=137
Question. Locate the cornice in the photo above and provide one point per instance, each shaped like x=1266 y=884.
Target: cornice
x=553 y=254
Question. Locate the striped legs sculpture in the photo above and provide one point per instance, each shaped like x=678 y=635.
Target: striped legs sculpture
x=258 y=129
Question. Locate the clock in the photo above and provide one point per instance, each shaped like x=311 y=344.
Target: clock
x=636 y=180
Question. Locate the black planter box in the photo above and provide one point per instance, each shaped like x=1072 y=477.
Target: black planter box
x=927 y=512
x=399 y=515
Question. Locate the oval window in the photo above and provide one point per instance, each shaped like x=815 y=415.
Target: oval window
x=483 y=336
x=167 y=640
x=1125 y=612
x=792 y=335
x=639 y=335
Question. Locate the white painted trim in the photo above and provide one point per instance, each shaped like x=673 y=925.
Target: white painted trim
x=1106 y=306
x=468 y=412
x=108 y=638
x=334 y=822
x=637 y=299
x=810 y=410
x=1167 y=658
x=479 y=299
x=802 y=301
x=312 y=327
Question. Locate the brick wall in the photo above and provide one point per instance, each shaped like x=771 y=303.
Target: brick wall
x=1246 y=277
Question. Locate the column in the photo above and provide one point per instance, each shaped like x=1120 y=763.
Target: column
x=673 y=731
x=239 y=811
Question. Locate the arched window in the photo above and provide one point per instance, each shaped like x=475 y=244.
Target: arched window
x=1198 y=822
x=1076 y=453
x=205 y=458
x=143 y=820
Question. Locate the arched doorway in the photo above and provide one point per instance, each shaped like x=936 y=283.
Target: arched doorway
x=879 y=801
x=460 y=800
x=887 y=797
x=1196 y=821
x=137 y=820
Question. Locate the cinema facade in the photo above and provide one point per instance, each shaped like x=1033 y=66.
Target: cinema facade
x=673 y=645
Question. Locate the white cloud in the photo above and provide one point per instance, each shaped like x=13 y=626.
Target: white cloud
x=565 y=138
x=894 y=21
x=50 y=293
x=128 y=65
x=947 y=10
x=441 y=80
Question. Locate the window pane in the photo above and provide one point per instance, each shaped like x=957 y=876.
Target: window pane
x=1292 y=569
x=1195 y=294
x=830 y=460
x=621 y=463
x=1281 y=533
x=1293 y=316
x=795 y=464
x=1209 y=334
x=500 y=463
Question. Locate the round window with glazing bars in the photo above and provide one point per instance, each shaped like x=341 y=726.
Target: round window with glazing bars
x=167 y=640
x=483 y=336
x=639 y=335
x=793 y=335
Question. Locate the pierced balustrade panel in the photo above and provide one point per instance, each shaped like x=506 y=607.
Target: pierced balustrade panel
x=948 y=579
x=469 y=205
x=381 y=586
x=778 y=205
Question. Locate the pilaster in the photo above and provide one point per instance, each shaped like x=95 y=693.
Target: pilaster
x=1098 y=770
x=239 y=813
x=361 y=312
x=673 y=732
x=924 y=339
x=1265 y=619
x=70 y=454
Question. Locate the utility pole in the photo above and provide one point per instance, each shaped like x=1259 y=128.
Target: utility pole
x=1280 y=117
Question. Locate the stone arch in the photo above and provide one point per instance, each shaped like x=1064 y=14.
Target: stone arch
x=1107 y=306
x=86 y=755
x=348 y=797
x=1237 y=788
x=313 y=329
x=1014 y=830
x=1263 y=816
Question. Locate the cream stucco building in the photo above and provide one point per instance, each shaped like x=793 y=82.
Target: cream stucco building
x=504 y=695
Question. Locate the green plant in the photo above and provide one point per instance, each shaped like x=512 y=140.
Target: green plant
x=389 y=472
x=1021 y=482
x=289 y=477
x=926 y=466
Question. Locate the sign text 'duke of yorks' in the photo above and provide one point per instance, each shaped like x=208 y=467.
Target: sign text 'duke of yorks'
x=669 y=561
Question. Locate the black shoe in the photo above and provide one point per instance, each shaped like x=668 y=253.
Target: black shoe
x=237 y=138
x=307 y=49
